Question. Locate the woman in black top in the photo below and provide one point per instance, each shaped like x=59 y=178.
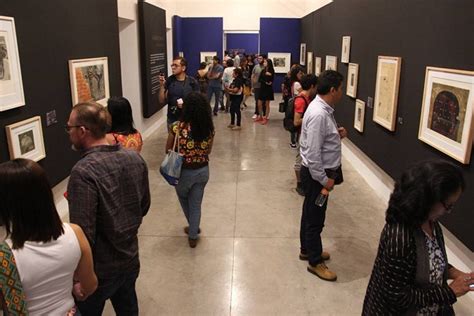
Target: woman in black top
x=266 y=90
x=235 y=91
x=411 y=268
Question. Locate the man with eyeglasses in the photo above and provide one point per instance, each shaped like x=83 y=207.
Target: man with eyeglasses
x=175 y=88
x=108 y=195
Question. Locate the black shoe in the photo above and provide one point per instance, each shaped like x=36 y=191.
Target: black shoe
x=192 y=242
x=300 y=191
x=292 y=145
x=215 y=113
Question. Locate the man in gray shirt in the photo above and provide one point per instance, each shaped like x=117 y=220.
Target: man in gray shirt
x=215 y=83
x=255 y=83
x=320 y=149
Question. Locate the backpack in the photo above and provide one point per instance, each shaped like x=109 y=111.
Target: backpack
x=288 y=121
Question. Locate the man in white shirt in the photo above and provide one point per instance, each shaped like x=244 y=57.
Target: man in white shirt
x=320 y=149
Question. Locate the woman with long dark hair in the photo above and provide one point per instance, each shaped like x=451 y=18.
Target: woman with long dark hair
x=266 y=91
x=195 y=132
x=122 y=129
x=201 y=77
x=411 y=268
x=48 y=254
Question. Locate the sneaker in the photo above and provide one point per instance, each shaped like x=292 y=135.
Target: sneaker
x=293 y=145
x=300 y=191
x=186 y=230
x=324 y=255
x=192 y=242
x=236 y=128
x=322 y=271
x=254 y=116
x=230 y=126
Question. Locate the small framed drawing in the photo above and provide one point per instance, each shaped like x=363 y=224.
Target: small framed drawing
x=352 y=79
x=309 y=67
x=346 y=49
x=303 y=54
x=317 y=66
x=447 y=112
x=386 y=91
x=359 y=115
x=207 y=57
x=180 y=54
x=89 y=80
x=11 y=84
x=331 y=63
x=25 y=139
x=281 y=62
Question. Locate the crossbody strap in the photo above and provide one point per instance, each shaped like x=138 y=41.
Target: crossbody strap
x=13 y=296
x=176 y=136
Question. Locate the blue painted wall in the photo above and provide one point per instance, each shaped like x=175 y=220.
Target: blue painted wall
x=280 y=35
x=196 y=35
x=247 y=42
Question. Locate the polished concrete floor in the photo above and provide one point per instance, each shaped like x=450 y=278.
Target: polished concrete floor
x=246 y=262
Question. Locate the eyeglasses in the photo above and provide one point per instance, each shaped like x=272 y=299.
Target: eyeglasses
x=448 y=207
x=68 y=128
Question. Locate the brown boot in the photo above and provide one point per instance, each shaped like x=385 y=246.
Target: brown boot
x=192 y=242
x=324 y=255
x=322 y=271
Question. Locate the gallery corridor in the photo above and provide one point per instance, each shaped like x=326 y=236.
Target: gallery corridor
x=246 y=262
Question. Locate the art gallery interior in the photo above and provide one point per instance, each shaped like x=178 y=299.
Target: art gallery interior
x=247 y=260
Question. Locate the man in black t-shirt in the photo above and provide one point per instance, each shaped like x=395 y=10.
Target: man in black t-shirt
x=176 y=88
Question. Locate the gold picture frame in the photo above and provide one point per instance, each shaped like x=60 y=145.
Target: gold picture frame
x=317 y=65
x=346 y=49
x=359 y=115
x=447 y=112
x=331 y=63
x=386 y=91
x=89 y=79
x=352 y=80
x=25 y=139
x=309 y=67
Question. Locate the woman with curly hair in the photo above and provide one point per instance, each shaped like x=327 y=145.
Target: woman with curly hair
x=411 y=268
x=195 y=132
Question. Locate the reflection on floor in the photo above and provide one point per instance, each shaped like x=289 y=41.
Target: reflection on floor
x=246 y=262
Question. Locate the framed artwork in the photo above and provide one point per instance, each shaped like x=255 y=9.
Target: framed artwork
x=25 y=139
x=281 y=62
x=303 y=54
x=317 y=66
x=346 y=49
x=207 y=57
x=309 y=67
x=359 y=115
x=11 y=84
x=386 y=91
x=352 y=79
x=89 y=80
x=180 y=54
x=447 y=112
x=331 y=63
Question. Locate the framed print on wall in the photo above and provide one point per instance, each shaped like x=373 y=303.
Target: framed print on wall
x=386 y=91
x=89 y=80
x=352 y=79
x=331 y=63
x=359 y=115
x=303 y=54
x=317 y=66
x=25 y=139
x=309 y=67
x=11 y=83
x=281 y=62
x=447 y=112
x=207 y=57
x=346 y=49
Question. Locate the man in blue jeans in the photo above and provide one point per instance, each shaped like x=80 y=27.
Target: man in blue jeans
x=215 y=83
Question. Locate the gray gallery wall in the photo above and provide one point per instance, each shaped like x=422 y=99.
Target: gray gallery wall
x=424 y=33
x=49 y=33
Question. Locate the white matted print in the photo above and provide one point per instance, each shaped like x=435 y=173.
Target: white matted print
x=386 y=91
x=207 y=57
x=352 y=80
x=359 y=115
x=309 y=67
x=346 y=49
x=331 y=63
x=11 y=83
x=303 y=54
x=89 y=80
x=25 y=139
x=447 y=112
x=317 y=65
x=281 y=62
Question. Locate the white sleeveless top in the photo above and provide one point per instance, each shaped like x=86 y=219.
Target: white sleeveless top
x=46 y=272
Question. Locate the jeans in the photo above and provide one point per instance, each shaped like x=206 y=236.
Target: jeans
x=120 y=290
x=312 y=219
x=190 y=190
x=293 y=137
x=217 y=91
x=235 y=101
